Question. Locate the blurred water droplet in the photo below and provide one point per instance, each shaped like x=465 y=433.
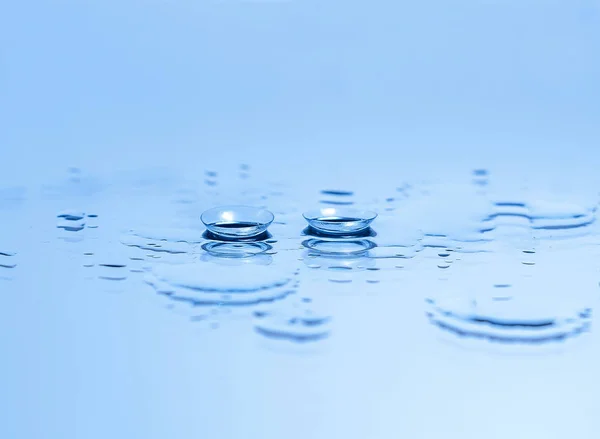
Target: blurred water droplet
x=294 y=322
x=206 y=283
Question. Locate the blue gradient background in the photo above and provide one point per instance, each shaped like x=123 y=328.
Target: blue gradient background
x=355 y=89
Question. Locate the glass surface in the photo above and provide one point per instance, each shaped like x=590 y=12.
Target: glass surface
x=470 y=127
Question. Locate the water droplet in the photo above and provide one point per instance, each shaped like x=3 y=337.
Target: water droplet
x=7 y=261
x=71 y=215
x=443 y=266
x=340 y=281
x=113 y=276
x=191 y=236
x=207 y=283
x=115 y=265
x=337 y=202
x=290 y=322
x=158 y=247
x=525 y=320
x=338 y=193
x=71 y=225
x=339 y=268
x=528 y=263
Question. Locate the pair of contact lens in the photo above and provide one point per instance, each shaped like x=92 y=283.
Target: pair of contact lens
x=247 y=222
x=237 y=229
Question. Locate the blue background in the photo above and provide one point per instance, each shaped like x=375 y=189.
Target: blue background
x=353 y=90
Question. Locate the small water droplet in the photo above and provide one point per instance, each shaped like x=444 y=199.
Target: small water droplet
x=70 y=225
x=339 y=193
x=340 y=281
x=71 y=215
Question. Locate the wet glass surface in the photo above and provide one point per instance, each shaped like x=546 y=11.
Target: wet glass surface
x=467 y=308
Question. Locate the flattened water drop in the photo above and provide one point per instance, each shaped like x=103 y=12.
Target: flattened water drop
x=337 y=202
x=71 y=225
x=338 y=193
x=525 y=320
x=298 y=324
x=71 y=215
x=208 y=284
x=6 y=263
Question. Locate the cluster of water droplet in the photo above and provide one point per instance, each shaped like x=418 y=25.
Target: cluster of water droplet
x=443 y=233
